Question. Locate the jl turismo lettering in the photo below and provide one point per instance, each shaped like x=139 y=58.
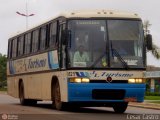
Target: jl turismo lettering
x=106 y=74
x=36 y=63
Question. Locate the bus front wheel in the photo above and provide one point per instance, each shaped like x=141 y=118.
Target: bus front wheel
x=120 y=107
x=59 y=105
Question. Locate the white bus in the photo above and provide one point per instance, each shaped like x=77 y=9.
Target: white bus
x=47 y=61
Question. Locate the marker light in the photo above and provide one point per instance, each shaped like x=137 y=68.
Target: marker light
x=137 y=80
x=79 y=80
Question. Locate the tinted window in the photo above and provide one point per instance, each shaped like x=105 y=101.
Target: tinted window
x=35 y=40
x=123 y=30
x=43 y=37
x=14 y=48
x=20 y=45
x=27 y=43
x=9 y=49
x=52 y=36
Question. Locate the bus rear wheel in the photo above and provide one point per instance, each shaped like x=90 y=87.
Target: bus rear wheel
x=59 y=105
x=24 y=101
x=120 y=107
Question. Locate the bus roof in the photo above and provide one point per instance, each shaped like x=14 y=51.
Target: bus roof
x=87 y=14
x=99 y=13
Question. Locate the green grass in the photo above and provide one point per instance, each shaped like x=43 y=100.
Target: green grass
x=152 y=93
x=157 y=102
x=152 y=98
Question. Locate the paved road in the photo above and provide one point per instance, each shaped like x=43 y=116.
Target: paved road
x=44 y=111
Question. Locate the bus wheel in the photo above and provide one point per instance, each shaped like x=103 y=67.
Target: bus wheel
x=23 y=101
x=59 y=105
x=120 y=107
x=32 y=102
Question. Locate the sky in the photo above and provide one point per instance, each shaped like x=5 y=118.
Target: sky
x=12 y=23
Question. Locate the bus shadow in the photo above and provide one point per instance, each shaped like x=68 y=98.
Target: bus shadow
x=75 y=110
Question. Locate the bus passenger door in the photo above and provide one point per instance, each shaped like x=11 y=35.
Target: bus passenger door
x=61 y=47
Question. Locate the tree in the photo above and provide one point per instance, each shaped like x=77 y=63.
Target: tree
x=156 y=49
x=3 y=63
x=146 y=25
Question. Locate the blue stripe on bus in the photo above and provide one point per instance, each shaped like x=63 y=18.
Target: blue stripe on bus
x=87 y=74
x=51 y=63
x=11 y=68
x=82 y=74
x=77 y=74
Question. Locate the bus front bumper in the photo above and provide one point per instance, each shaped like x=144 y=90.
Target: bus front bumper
x=101 y=92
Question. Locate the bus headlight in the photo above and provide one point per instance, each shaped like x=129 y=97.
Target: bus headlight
x=86 y=80
x=79 y=80
x=131 y=81
x=137 y=80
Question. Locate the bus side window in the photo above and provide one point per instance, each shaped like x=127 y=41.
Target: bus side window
x=14 y=48
x=43 y=36
x=20 y=45
x=10 y=49
x=35 y=41
x=27 y=43
x=53 y=35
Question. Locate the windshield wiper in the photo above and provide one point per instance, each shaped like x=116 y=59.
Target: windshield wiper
x=115 y=52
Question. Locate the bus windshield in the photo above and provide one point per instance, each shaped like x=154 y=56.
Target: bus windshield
x=105 y=44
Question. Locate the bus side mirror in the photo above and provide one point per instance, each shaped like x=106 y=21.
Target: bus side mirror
x=149 y=41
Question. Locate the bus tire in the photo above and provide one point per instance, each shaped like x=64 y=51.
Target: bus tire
x=59 y=105
x=23 y=101
x=120 y=107
x=31 y=102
